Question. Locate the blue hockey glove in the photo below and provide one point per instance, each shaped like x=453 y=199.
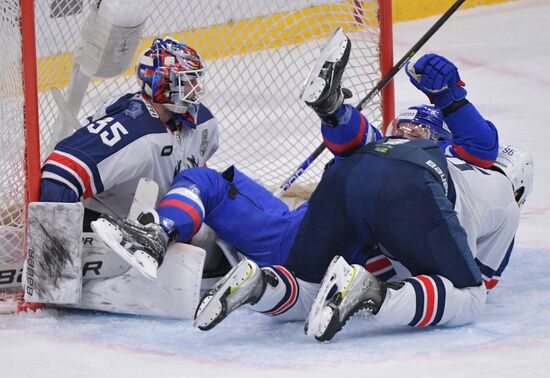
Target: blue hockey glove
x=438 y=78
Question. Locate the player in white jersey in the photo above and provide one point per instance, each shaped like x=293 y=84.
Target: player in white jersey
x=449 y=223
x=154 y=133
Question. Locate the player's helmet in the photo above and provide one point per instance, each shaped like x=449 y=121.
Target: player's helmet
x=422 y=121
x=518 y=166
x=171 y=73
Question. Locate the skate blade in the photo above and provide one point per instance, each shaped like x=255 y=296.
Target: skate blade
x=211 y=307
x=332 y=51
x=111 y=236
x=320 y=314
x=208 y=313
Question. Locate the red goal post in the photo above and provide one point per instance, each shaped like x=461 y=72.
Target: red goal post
x=257 y=54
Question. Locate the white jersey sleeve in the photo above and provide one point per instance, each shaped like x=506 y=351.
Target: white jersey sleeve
x=487 y=210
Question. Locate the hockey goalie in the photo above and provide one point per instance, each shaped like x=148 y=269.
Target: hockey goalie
x=152 y=133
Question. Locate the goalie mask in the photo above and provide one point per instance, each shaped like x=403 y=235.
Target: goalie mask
x=423 y=121
x=172 y=73
x=518 y=166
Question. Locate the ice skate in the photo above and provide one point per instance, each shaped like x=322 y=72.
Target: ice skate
x=245 y=283
x=322 y=90
x=143 y=246
x=357 y=289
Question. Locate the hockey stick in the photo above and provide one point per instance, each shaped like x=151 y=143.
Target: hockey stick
x=70 y=122
x=381 y=84
x=68 y=108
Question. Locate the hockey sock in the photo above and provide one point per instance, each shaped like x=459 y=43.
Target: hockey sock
x=430 y=300
x=349 y=134
x=285 y=296
x=182 y=209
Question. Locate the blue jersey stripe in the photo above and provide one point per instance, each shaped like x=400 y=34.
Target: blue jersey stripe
x=419 y=301
x=66 y=175
x=386 y=275
x=86 y=159
x=289 y=292
x=490 y=272
x=441 y=297
x=203 y=115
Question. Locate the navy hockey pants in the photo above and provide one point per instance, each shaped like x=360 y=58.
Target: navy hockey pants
x=368 y=200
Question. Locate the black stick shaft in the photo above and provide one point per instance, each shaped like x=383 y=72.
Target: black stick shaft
x=374 y=91
x=408 y=56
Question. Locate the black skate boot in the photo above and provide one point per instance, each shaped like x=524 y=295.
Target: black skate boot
x=143 y=246
x=243 y=284
x=357 y=289
x=322 y=89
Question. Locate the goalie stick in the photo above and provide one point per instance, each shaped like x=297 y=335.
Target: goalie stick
x=68 y=119
x=381 y=84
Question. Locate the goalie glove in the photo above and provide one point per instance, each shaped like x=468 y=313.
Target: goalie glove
x=438 y=78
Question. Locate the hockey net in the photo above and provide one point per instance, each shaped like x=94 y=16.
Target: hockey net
x=257 y=53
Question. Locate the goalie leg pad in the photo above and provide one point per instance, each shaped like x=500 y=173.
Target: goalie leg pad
x=53 y=268
x=174 y=294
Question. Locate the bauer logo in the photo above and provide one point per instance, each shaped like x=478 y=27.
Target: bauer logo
x=10 y=277
x=92 y=269
x=408 y=114
x=29 y=278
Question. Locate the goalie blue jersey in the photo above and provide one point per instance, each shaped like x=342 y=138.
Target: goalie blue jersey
x=103 y=161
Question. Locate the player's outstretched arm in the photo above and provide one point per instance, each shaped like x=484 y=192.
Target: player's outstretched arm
x=474 y=138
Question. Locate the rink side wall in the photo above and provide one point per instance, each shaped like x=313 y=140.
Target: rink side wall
x=408 y=10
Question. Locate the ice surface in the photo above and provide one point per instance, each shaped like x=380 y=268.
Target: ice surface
x=502 y=53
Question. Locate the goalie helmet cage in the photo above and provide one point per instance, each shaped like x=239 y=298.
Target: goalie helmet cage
x=257 y=54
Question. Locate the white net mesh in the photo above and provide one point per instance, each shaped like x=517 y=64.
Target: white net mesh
x=257 y=53
x=12 y=136
x=253 y=85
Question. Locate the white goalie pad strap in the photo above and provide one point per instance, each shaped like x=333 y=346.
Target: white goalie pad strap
x=110 y=37
x=174 y=294
x=52 y=271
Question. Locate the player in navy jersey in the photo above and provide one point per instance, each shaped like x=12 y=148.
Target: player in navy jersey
x=446 y=222
x=156 y=132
